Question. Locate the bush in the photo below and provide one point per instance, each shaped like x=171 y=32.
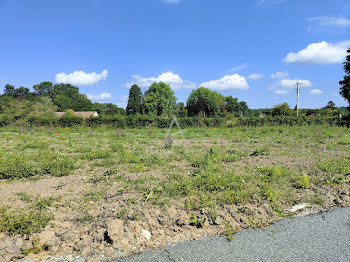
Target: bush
x=69 y=120
x=4 y=120
x=57 y=165
x=22 y=221
x=16 y=166
x=140 y=121
x=303 y=182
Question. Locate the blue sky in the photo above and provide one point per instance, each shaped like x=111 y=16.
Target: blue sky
x=253 y=50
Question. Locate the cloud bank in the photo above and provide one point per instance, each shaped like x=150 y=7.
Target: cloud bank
x=284 y=86
x=279 y=75
x=339 y=21
x=100 y=97
x=319 y=53
x=256 y=76
x=228 y=82
x=174 y=80
x=80 y=78
x=315 y=92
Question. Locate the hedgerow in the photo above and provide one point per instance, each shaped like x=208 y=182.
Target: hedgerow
x=140 y=121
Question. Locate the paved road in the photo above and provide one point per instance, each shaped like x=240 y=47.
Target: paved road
x=321 y=237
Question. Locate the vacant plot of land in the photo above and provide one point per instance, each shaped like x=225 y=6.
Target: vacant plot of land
x=114 y=192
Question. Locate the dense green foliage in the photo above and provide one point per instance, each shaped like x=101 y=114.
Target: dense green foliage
x=237 y=109
x=282 y=110
x=204 y=102
x=204 y=107
x=159 y=100
x=135 y=101
x=23 y=221
x=345 y=84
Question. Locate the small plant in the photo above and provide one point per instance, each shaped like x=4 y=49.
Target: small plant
x=43 y=203
x=22 y=221
x=195 y=221
x=148 y=194
x=25 y=197
x=131 y=201
x=122 y=214
x=168 y=142
x=94 y=195
x=213 y=215
x=57 y=165
x=230 y=232
x=134 y=216
x=36 y=247
x=318 y=200
x=264 y=151
x=303 y=182
x=270 y=194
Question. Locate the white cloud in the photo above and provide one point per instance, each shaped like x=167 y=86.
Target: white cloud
x=279 y=75
x=174 y=80
x=256 y=76
x=331 y=21
x=123 y=102
x=281 y=91
x=319 y=53
x=289 y=83
x=228 y=82
x=171 y=1
x=100 y=97
x=239 y=67
x=315 y=92
x=81 y=78
x=284 y=86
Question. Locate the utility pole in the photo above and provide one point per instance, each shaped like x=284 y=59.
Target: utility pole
x=298 y=92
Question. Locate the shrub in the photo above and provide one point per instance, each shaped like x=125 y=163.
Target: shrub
x=340 y=166
x=303 y=182
x=22 y=221
x=16 y=166
x=97 y=154
x=36 y=247
x=263 y=151
x=68 y=120
x=57 y=165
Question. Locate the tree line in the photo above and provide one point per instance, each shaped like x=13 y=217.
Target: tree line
x=158 y=101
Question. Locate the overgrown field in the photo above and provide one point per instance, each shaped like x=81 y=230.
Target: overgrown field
x=100 y=192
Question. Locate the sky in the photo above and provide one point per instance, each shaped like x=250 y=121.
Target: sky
x=255 y=50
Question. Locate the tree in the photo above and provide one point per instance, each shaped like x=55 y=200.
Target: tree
x=43 y=108
x=345 y=84
x=9 y=90
x=159 y=99
x=181 y=109
x=232 y=106
x=135 y=101
x=67 y=96
x=22 y=92
x=42 y=89
x=16 y=109
x=205 y=102
x=282 y=110
x=236 y=108
x=330 y=105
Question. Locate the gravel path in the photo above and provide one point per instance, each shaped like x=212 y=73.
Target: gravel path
x=320 y=237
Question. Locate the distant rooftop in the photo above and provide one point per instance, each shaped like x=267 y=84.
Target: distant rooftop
x=85 y=114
